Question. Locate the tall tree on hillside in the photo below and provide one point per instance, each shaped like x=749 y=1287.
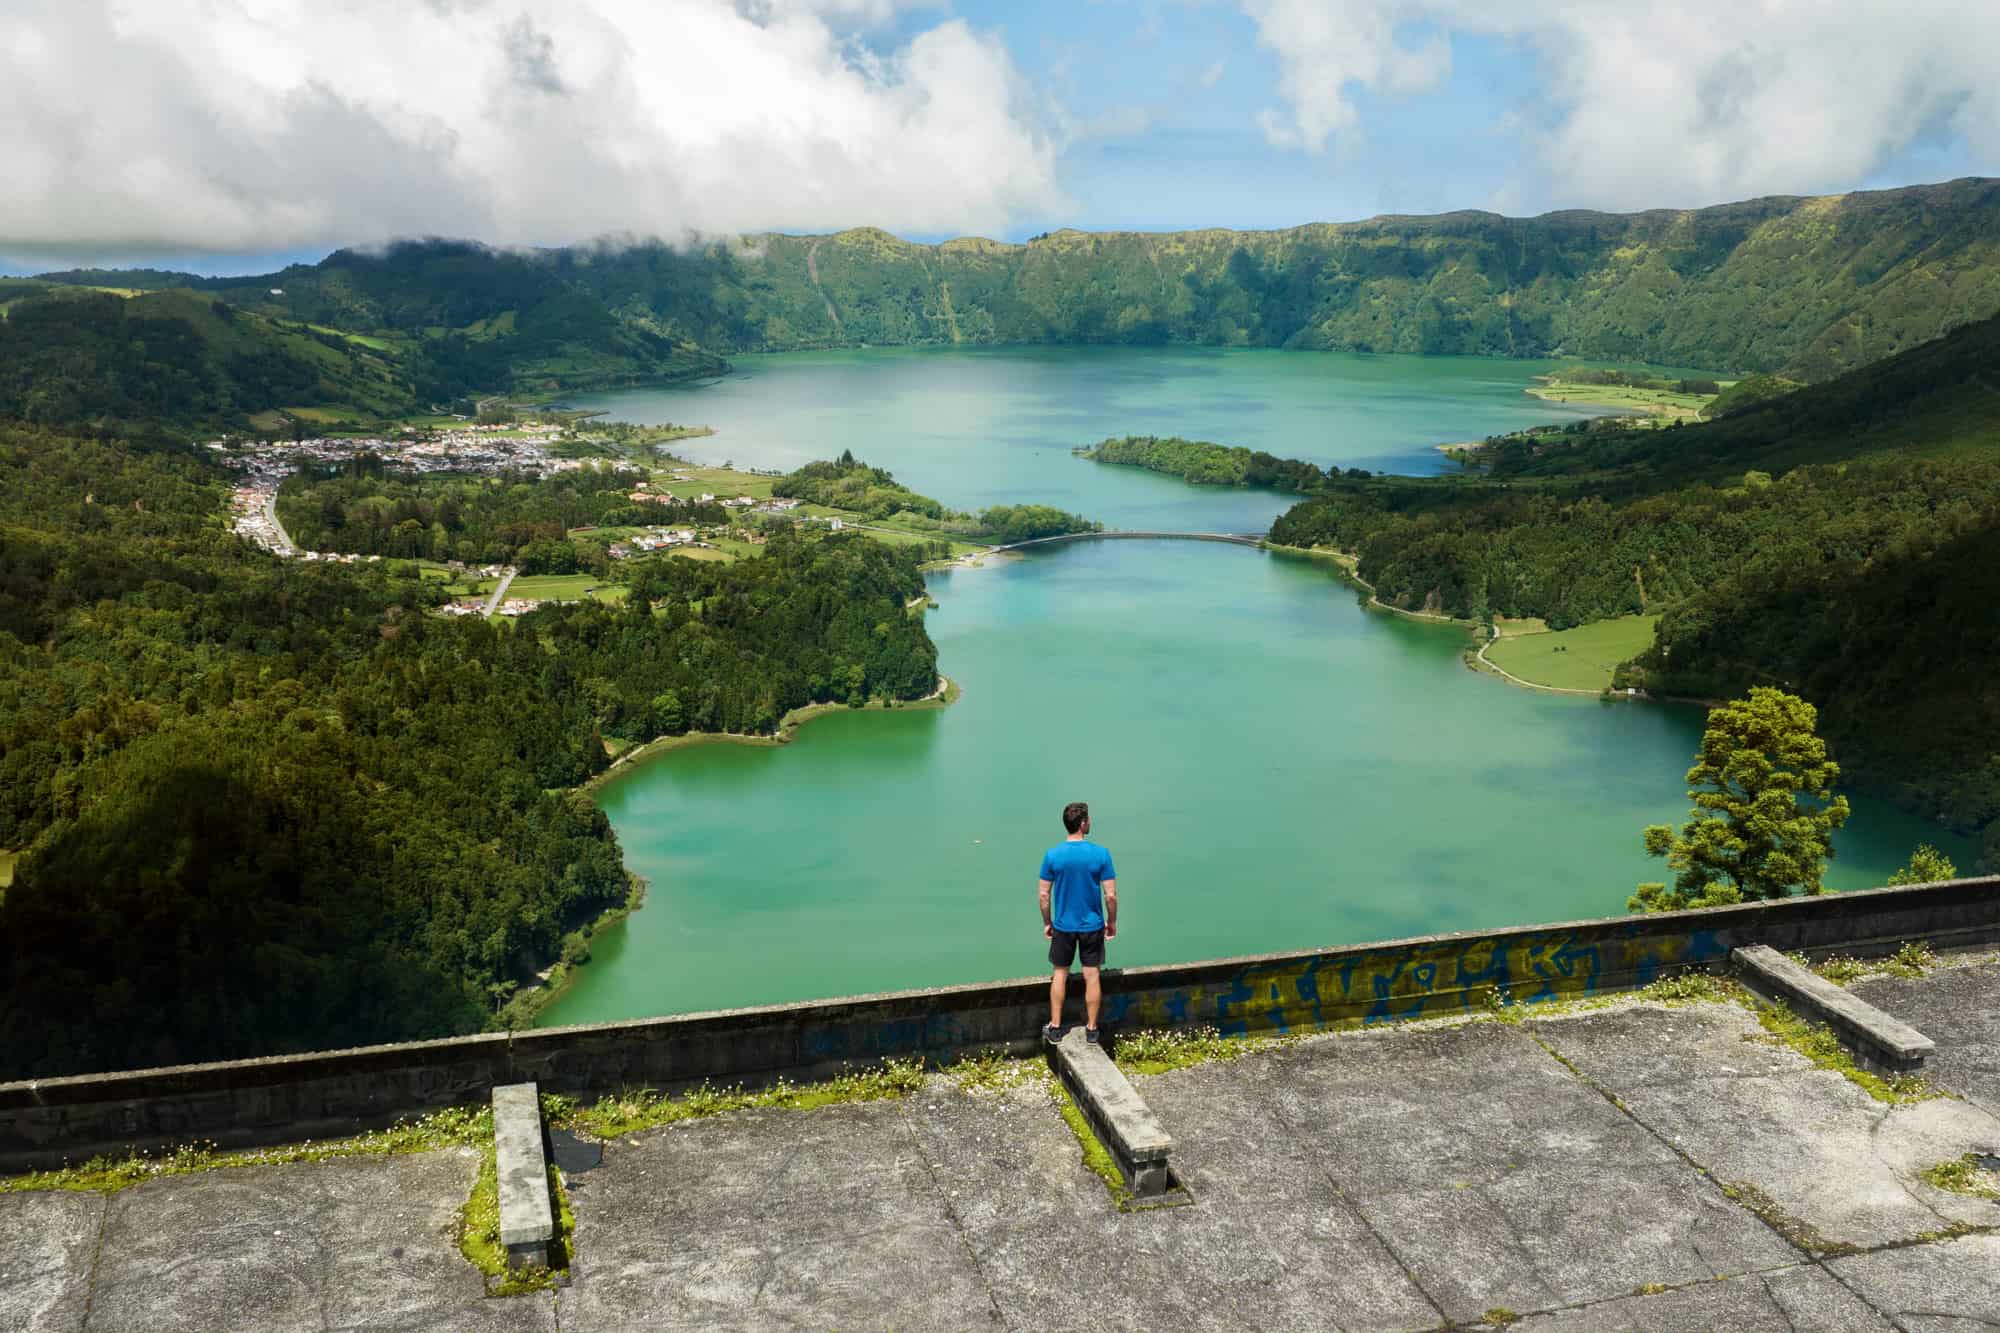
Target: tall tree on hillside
x=1765 y=809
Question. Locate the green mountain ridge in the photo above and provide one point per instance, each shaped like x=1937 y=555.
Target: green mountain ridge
x=1810 y=286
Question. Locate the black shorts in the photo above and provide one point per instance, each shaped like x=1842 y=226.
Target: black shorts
x=1064 y=946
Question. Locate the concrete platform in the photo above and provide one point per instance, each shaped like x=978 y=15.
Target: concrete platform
x=1958 y=1009
x=1637 y=1167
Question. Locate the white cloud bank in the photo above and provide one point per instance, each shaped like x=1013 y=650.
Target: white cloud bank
x=1653 y=102
x=258 y=125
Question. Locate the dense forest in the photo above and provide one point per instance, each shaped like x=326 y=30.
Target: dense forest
x=469 y=319
x=847 y=483
x=370 y=509
x=1849 y=554
x=382 y=847
x=1809 y=286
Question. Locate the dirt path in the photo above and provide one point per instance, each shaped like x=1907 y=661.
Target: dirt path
x=499 y=591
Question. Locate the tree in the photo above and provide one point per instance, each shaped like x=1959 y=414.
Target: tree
x=1927 y=866
x=1764 y=812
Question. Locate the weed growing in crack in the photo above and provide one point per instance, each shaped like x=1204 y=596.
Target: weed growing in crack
x=636 y=1109
x=1914 y=959
x=1964 y=1175
x=457 y=1126
x=1155 y=1052
x=994 y=1071
x=1817 y=1043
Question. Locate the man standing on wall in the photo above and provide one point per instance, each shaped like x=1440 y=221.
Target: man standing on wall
x=1079 y=893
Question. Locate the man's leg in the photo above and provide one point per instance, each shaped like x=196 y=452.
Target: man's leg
x=1091 y=995
x=1058 y=987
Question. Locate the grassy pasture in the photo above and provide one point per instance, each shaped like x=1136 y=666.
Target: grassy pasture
x=1663 y=404
x=565 y=588
x=1573 y=659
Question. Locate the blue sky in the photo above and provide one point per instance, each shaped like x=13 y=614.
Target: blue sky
x=185 y=134
x=1196 y=78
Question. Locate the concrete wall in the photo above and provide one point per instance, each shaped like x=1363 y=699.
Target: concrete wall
x=332 y=1092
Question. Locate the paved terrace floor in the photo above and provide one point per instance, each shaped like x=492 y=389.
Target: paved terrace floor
x=1642 y=1167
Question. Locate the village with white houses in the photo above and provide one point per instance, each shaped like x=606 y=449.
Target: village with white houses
x=471 y=449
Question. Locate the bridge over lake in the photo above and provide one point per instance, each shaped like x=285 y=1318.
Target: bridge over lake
x=1233 y=538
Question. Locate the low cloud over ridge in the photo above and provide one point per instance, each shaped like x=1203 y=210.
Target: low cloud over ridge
x=241 y=125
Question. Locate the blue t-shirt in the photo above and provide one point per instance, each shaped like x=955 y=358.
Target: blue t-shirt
x=1076 y=869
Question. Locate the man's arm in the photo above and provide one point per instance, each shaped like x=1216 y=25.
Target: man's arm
x=1110 y=908
x=1048 y=922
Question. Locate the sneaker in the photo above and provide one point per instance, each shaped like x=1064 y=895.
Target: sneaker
x=1052 y=1034
x=1090 y=1035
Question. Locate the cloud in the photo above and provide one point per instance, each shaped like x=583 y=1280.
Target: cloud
x=236 y=125
x=1688 y=101
x=1328 y=48
x=1213 y=74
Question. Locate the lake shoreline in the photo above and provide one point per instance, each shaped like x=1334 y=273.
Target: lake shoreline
x=558 y=977
x=946 y=693
x=1346 y=562
x=1478 y=663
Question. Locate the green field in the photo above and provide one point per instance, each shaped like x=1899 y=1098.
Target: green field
x=456 y=583
x=1662 y=405
x=708 y=552
x=1574 y=659
x=723 y=483
x=565 y=588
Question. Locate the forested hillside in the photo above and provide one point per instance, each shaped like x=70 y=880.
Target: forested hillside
x=379 y=847
x=1841 y=541
x=469 y=319
x=1817 y=285
x=1936 y=400
x=176 y=359
x=356 y=338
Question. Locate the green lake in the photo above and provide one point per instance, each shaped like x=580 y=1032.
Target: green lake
x=1273 y=766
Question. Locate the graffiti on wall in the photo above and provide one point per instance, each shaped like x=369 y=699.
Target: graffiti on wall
x=1426 y=979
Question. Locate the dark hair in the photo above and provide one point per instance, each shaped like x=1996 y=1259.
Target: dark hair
x=1074 y=814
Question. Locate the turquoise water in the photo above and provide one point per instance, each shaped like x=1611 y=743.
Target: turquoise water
x=1273 y=766
x=995 y=426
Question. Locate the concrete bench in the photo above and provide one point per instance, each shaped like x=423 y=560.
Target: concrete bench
x=1879 y=1041
x=1124 y=1123
x=527 y=1213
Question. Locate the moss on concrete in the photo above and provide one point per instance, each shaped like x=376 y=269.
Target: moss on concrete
x=1969 y=1174
x=1817 y=1043
x=479 y=1235
x=631 y=1111
x=452 y=1127
x=1794 y=1229
x=1096 y=1157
